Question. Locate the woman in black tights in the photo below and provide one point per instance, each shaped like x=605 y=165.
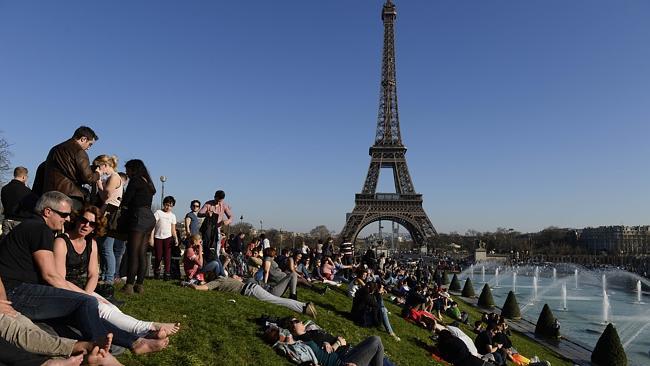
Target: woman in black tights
x=139 y=222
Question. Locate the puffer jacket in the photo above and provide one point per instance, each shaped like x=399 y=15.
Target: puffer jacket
x=67 y=168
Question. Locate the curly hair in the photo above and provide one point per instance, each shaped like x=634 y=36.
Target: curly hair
x=100 y=219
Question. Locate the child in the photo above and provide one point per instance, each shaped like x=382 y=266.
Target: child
x=193 y=260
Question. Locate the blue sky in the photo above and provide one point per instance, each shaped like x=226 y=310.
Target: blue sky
x=517 y=114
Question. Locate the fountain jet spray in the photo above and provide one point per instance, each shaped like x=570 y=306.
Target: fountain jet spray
x=483 y=274
x=575 y=275
x=564 y=307
x=496 y=277
x=514 y=282
x=554 y=275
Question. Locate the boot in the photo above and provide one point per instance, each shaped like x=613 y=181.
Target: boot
x=138 y=288
x=127 y=289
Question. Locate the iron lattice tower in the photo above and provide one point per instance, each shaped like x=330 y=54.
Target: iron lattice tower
x=404 y=206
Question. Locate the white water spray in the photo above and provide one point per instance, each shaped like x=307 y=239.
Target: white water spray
x=554 y=275
x=514 y=282
x=575 y=275
x=638 y=292
x=534 y=288
x=496 y=277
x=604 y=284
x=605 y=307
x=483 y=274
x=564 y=307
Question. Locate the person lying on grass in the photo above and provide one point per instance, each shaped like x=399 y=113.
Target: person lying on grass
x=370 y=352
x=75 y=256
x=251 y=289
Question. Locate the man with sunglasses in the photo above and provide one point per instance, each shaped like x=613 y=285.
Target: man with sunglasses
x=192 y=221
x=32 y=285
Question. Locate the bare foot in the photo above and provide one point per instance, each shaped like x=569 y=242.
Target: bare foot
x=99 y=357
x=143 y=345
x=70 y=361
x=106 y=342
x=82 y=347
x=169 y=328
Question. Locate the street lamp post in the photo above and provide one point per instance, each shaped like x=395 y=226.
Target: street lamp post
x=163 y=179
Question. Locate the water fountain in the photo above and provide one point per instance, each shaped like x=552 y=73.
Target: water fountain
x=564 y=307
x=471 y=270
x=554 y=275
x=604 y=284
x=605 y=307
x=534 y=288
x=483 y=274
x=496 y=278
x=514 y=282
x=638 y=292
x=536 y=272
x=575 y=275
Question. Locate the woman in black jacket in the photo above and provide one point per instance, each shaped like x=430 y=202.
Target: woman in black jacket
x=138 y=221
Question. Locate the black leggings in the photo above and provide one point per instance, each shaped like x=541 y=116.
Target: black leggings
x=137 y=256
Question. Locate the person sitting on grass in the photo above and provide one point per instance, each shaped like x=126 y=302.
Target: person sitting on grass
x=292 y=267
x=368 y=308
x=358 y=282
x=75 y=258
x=370 y=352
x=24 y=343
x=277 y=281
x=318 y=275
x=454 y=312
x=193 y=259
x=251 y=289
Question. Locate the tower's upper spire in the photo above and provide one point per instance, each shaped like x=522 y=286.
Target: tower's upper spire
x=388 y=132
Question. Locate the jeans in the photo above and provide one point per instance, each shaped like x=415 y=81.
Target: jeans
x=369 y=352
x=119 y=247
x=110 y=250
x=290 y=280
x=38 y=302
x=214 y=266
x=384 y=316
x=253 y=290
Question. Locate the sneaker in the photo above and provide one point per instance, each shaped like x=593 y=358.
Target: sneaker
x=323 y=290
x=138 y=288
x=166 y=277
x=395 y=337
x=310 y=310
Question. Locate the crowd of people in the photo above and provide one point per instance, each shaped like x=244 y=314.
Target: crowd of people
x=84 y=228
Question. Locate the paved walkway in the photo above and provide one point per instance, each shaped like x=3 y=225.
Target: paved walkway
x=578 y=353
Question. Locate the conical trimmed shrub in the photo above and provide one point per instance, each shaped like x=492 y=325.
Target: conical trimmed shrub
x=455 y=284
x=608 y=350
x=468 y=290
x=485 y=300
x=546 y=326
x=510 y=308
x=445 y=278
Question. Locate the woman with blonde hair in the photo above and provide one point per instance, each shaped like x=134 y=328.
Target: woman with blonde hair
x=109 y=189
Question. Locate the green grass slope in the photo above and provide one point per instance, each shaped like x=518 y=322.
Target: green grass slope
x=217 y=331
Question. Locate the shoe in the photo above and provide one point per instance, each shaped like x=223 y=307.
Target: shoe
x=139 y=289
x=310 y=310
x=166 y=277
x=293 y=296
x=323 y=290
x=115 y=301
x=395 y=337
x=127 y=289
x=156 y=276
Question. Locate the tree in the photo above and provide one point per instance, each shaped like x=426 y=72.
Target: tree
x=468 y=290
x=455 y=284
x=608 y=350
x=241 y=227
x=547 y=325
x=485 y=300
x=4 y=158
x=320 y=232
x=510 y=308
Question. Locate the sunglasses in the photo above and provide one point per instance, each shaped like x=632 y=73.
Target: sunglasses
x=64 y=215
x=83 y=221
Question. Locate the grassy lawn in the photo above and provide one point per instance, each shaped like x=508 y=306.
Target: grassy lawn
x=217 y=331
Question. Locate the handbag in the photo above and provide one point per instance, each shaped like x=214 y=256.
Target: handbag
x=115 y=226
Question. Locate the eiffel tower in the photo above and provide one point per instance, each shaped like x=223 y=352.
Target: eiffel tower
x=404 y=206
